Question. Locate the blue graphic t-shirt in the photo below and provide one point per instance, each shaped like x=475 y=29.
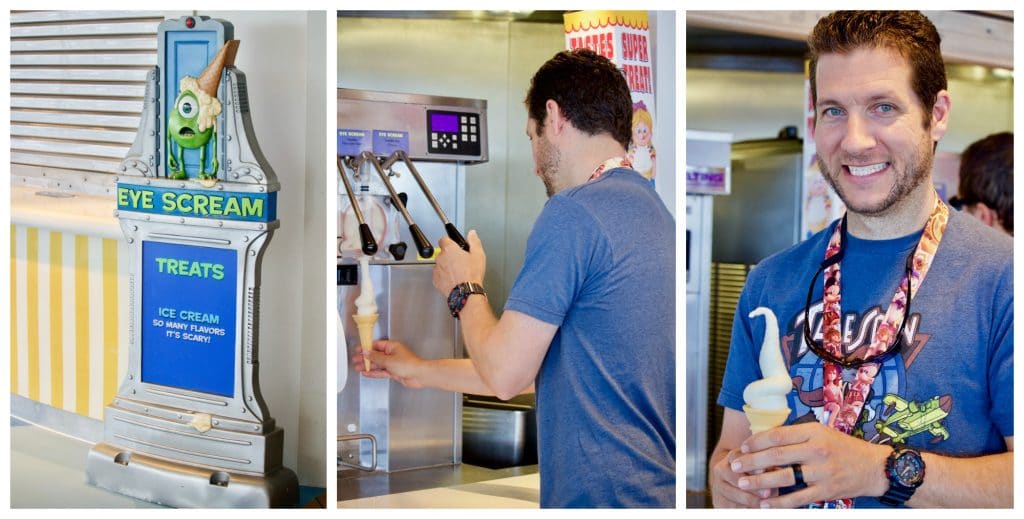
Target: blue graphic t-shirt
x=949 y=390
x=600 y=264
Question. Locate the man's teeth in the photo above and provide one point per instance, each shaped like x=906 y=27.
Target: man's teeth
x=860 y=171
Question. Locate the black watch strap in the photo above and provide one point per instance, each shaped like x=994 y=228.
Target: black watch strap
x=460 y=294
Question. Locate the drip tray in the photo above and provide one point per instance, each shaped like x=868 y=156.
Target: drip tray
x=499 y=434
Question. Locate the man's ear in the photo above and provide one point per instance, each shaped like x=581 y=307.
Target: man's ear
x=940 y=115
x=555 y=119
x=982 y=212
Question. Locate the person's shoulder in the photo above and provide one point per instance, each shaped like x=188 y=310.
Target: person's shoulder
x=969 y=235
x=612 y=180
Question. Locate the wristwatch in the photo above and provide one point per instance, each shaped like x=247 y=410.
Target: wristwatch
x=905 y=470
x=458 y=296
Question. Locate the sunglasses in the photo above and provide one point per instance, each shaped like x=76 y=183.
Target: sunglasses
x=847 y=362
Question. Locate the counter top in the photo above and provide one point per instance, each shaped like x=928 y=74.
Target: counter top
x=459 y=486
x=90 y=215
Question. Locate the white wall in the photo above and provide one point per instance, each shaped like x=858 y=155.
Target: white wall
x=282 y=54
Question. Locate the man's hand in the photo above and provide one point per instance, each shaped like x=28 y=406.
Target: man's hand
x=835 y=465
x=725 y=492
x=454 y=265
x=391 y=359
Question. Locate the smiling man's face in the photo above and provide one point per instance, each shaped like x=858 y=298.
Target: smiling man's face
x=874 y=147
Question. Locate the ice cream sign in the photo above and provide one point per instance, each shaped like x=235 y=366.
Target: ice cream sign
x=200 y=204
x=624 y=38
x=197 y=203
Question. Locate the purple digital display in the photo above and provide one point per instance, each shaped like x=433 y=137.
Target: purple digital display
x=444 y=123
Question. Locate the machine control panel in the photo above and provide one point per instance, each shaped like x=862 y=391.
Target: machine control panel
x=453 y=133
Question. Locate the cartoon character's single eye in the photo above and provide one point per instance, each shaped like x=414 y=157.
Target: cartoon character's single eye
x=188 y=106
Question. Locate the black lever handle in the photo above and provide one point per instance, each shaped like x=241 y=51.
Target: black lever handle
x=456 y=236
x=423 y=246
x=366 y=239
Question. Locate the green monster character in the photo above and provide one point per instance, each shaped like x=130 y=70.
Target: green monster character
x=192 y=121
x=182 y=129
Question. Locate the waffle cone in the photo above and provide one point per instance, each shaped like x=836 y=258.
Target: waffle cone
x=764 y=419
x=365 y=324
x=209 y=81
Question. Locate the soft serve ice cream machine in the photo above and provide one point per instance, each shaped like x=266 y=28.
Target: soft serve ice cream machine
x=401 y=187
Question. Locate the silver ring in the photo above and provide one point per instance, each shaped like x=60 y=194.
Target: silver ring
x=798 y=475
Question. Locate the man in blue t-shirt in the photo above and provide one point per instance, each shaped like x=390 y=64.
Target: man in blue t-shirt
x=896 y=322
x=590 y=319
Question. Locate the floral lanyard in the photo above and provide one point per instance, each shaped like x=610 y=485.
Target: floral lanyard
x=843 y=408
x=612 y=163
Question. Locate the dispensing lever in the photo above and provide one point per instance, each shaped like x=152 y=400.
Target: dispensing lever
x=369 y=245
x=450 y=229
x=423 y=245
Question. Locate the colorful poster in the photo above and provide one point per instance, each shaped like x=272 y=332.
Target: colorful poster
x=189 y=305
x=624 y=38
x=821 y=205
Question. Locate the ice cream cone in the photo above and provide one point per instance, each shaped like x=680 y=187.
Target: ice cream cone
x=764 y=419
x=209 y=81
x=365 y=324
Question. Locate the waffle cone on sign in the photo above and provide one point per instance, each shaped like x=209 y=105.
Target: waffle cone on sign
x=365 y=324
x=209 y=81
x=764 y=419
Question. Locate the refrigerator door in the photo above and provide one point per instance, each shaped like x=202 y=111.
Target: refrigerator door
x=761 y=215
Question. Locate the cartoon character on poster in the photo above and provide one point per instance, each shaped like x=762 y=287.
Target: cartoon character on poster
x=818 y=211
x=641 y=151
x=192 y=122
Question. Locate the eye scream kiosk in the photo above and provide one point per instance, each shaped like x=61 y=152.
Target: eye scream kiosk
x=197 y=204
x=401 y=161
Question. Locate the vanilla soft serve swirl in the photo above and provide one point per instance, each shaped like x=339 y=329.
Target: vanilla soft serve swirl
x=770 y=392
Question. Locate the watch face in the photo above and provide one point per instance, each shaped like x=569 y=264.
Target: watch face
x=909 y=468
x=453 y=298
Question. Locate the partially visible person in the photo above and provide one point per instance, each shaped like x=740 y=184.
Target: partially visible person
x=986 y=181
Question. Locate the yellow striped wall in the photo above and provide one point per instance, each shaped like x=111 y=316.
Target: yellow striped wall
x=69 y=317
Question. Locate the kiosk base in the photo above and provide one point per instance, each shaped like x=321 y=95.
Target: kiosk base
x=186 y=486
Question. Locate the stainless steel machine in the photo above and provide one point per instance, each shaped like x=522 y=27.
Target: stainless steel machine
x=401 y=164
x=708 y=175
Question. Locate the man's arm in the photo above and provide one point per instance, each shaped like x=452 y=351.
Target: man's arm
x=982 y=482
x=826 y=457
x=507 y=352
x=392 y=359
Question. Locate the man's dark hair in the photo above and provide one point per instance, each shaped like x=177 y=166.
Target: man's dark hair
x=986 y=176
x=590 y=91
x=908 y=33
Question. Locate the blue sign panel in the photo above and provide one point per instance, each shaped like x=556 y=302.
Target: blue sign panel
x=189 y=304
x=353 y=142
x=224 y=205
x=385 y=142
